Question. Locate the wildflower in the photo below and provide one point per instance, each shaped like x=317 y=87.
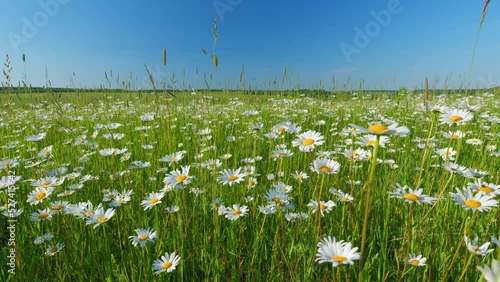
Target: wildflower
x=480 y=202
x=166 y=263
x=308 y=140
x=300 y=176
x=329 y=250
x=472 y=246
x=474 y=141
x=411 y=196
x=236 y=212
x=416 y=260
x=475 y=174
x=39 y=194
x=178 y=177
x=173 y=158
x=325 y=166
x=152 y=200
x=455 y=116
x=143 y=236
x=47 y=182
x=231 y=176
x=100 y=216
x=322 y=207
x=344 y=197
x=45 y=214
x=370 y=140
x=172 y=209
x=54 y=249
x=380 y=129
x=486 y=188
x=455 y=168
x=42 y=239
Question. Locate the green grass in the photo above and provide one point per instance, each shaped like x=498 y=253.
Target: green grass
x=256 y=247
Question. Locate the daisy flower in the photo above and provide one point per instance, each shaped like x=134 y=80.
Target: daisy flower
x=325 y=166
x=455 y=116
x=480 y=202
x=322 y=207
x=486 y=188
x=178 y=177
x=380 y=129
x=491 y=274
x=236 y=212
x=370 y=140
x=475 y=174
x=331 y=251
x=152 y=200
x=166 y=263
x=455 y=168
x=474 y=248
x=344 y=197
x=411 y=196
x=54 y=249
x=308 y=140
x=45 y=214
x=100 y=216
x=39 y=194
x=231 y=176
x=143 y=236
x=454 y=134
x=47 y=182
x=415 y=260
x=300 y=175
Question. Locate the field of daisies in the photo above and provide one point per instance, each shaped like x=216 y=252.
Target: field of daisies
x=233 y=187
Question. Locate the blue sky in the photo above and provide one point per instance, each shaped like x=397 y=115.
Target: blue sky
x=315 y=40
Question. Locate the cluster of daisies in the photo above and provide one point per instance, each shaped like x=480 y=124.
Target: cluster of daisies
x=358 y=143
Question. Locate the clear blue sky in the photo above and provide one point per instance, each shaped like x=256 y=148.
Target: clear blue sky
x=423 y=38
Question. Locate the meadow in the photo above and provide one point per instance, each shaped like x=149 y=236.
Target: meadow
x=231 y=186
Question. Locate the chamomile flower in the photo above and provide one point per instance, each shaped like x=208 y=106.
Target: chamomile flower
x=100 y=216
x=54 y=249
x=236 y=212
x=454 y=134
x=480 y=202
x=308 y=140
x=322 y=207
x=325 y=166
x=45 y=214
x=331 y=251
x=455 y=116
x=39 y=194
x=415 y=260
x=411 y=196
x=486 y=188
x=474 y=248
x=370 y=140
x=231 y=176
x=178 y=176
x=491 y=274
x=166 y=263
x=380 y=129
x=300 y=175
x=47 y=182
x=143 y=236
x=152 y=200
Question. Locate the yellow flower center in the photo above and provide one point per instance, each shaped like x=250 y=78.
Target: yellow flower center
x=251 y=183
x=41 y=195
x=370 y=143
x=276 y=199
x=102 y=219
x=340 y=259
x=281 y=129
x=300 y=176
x=411 y=196
x=43 y=216
x=180 y=178
x=236 y=212
x=281 y=204
x=454 y=136
x=153 y=201
x=232 y=178
x=322 y=207
x=485 y=189
x=415 y=261
x=173 y=159
x=473 y=203
x=344 y=199
x=58 y=208
x=53 y=250
x=120 y=201
x=455 y=118
x=308 y=142
x=143 y=238
x=88 y=213
x=45 y=184
x=211 y=164
x=378 y=128
x=325 y=169
x=167 y=265
x=7 y=164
